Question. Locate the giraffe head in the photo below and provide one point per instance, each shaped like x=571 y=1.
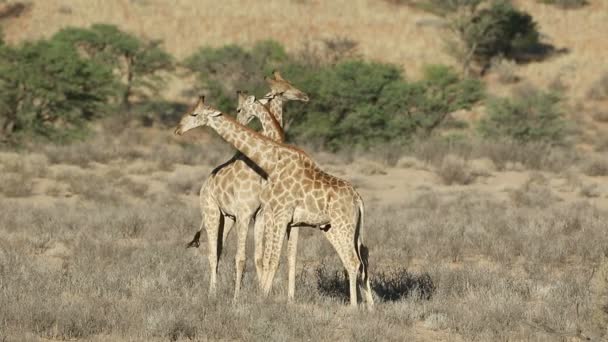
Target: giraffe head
x=281 y=87
x=243 y=116
x=197 y=116
x=248 y=108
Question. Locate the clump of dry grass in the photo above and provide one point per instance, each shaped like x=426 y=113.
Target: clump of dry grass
x=185 y=182
x=455 y=170
x=600 y=116
x=16 y=184
x=597 y=166
x=535 y=192
x=506 y=70
x=18 y=173
x=599 y=89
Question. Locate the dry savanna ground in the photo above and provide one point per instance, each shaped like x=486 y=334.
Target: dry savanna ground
x=463 y=247
x=483 y=242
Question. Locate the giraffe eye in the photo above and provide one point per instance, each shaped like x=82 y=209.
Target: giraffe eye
x=192 y=114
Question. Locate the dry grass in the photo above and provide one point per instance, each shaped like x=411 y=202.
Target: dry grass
x=536 y=192
x=455 y=170
x=596 y=166
x=445 y=266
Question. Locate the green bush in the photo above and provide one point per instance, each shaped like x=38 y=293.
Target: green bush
x=533 y=116
x=137 y=62
x=47 y=89
x=352 y=103
x=499 y=30
x=360 y=104
x=222 y=71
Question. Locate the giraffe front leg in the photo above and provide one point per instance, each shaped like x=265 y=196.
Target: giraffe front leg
x=212 y=221
x=268 y=225
x=258 y=238
x=274 y=246
x=242 y=224
x=292 y=250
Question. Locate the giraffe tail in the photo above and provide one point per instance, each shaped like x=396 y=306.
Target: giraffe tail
x=195 y=241
x=362 y=250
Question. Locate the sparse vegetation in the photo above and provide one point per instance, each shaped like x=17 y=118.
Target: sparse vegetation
x=596 y=166
x=455 y=170
x=532 y=116
x=92 y=232
x=485 y=30
x=599 y=89
x=566 y=4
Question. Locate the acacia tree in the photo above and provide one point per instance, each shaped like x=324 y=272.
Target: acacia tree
x=484 y=29
x=47 y=89
x=139 y=63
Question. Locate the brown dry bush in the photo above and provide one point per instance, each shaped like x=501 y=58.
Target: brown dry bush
x=600 y=116
x=597 y=166
x=599 y=89
x=535 y=192
x=455 y=170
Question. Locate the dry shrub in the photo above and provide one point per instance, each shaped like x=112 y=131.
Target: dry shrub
x=599 y=89
x=535 y=192
x=505 y=70
x=185 y=182
x=370 y=168
x=16 y=184
x=600 y=116
x=596 y=166
x=455 y=170
x=590 y=191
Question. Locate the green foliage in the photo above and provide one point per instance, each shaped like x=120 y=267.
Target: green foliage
x=352 y=103
x=224 y=70
x=47 y=89
x=499 y=30
x=139 y=63
x=533 y=116
x=361 y=104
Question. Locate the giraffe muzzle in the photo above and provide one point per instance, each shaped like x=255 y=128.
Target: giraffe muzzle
x=178 y=130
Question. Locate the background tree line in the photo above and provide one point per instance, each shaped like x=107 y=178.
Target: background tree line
x=52 y=88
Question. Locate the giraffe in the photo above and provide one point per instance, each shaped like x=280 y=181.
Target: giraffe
x=230 y=196
x=298 y=193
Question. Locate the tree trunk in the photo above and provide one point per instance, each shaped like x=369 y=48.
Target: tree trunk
x=127 y=93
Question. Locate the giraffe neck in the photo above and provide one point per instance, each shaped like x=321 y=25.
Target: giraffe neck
x=271 y=127
x=253 y=145
x=275 y=105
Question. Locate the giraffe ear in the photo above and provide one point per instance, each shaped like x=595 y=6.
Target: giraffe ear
x=241 y=96
x=277 y=75
x=250 y=100
x=201 y=98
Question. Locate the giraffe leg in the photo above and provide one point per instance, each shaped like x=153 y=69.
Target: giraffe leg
x=268 y=221
x=273 y=245
x=227 y=228
x=212 y=220
x=363 y=254
x=242 y=225
x=258 y=237
x=292 y=250
x=342 y=240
